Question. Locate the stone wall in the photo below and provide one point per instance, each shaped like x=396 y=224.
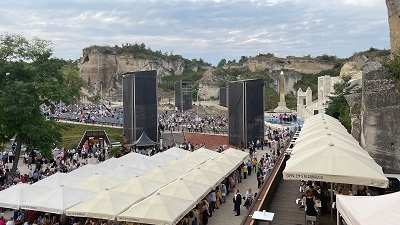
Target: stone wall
x=380 y=111
x=393 y=7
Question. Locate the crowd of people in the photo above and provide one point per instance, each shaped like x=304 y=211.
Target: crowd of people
x=190 y=122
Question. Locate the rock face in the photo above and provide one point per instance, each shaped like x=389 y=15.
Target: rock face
x=393 y=7
x=104 y=64
x=353 y=68
x=379 y=120
x=299 y=64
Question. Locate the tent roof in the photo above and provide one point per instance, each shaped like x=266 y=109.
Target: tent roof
x=369 y=210
x=104 y=205
x=143 y=140
x=335 y=164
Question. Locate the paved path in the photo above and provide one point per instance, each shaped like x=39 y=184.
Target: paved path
x=225 y=214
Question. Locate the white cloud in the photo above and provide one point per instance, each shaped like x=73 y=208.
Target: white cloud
x=208 y=29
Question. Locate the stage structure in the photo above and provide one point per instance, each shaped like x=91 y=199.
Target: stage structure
x=183 y=95
x=246 y=111
x=140 y=104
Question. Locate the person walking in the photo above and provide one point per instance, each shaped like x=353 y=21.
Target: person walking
x=237 y=202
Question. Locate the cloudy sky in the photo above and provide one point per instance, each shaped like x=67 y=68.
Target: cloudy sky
x=208 y=29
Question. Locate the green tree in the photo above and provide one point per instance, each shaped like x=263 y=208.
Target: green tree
x=221 y=63
x=29 y=78
x=338 y=106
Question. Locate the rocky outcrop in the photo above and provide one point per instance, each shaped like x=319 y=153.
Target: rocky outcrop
x=354 y=101
x=104 y=64
x=379 y=120
x=299 y=64
x=393 y=7
x=353 y=68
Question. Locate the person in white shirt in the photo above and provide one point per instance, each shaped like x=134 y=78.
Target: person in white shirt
x=10 y=222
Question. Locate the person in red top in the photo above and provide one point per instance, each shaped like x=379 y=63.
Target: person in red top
x=31 y=216
x=2 y=220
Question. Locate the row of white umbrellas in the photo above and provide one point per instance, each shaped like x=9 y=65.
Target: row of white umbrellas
x=325 y=151
x=109 y=188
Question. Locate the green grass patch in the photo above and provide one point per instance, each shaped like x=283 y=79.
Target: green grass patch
x=72 y=133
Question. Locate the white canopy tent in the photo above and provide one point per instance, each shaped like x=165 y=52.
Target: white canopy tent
x=178 y=152
x=180 y=166
x=217 y=167
x=97 y=183
x=87 y=171
x=125 y=172
x=185 y=189
x=111 y=164
x=203 y=176
x=162 y=158
x=237 y=153
x=157 y=209
x=57 y=180
x=194 y=158
x=104 y=205
x=56 y=200
x=321 y=141
x=369 y=210
x=316 y=133
x=335 y=164
x=162 y=175
x=139 y=186
x=14 y=196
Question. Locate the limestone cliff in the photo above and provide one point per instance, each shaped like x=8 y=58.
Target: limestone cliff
x=104 y=64
x=393 y=7
x=379 y=119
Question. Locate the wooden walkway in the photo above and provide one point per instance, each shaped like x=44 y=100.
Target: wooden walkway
x=287 y=212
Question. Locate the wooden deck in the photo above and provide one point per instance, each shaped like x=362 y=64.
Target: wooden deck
x=287 y=212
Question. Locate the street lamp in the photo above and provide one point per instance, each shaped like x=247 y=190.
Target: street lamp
x=198 y=90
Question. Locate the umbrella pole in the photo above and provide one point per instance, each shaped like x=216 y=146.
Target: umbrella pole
x=331 y=201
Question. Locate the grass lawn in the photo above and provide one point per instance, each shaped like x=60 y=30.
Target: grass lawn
x=72 y=133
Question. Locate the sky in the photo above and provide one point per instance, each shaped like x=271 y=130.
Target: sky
x=207 y=29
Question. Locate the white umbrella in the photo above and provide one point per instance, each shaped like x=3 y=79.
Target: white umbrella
x=104 y=205
x=97 y=183
x=56 y=200
x=217 y=167
x=145 y=164
x=335 y=164
x=206 y=152
x=14 y=196
x=194 y=158
x=162 y=175
x=124 y=172
x=229 y=160
x=307 y=135
x=236 y=153
x=178 y=152
x=162 y=158
x=87 y=171
x=58 y=179
x=111 y=164
x=132 y=157
x=157 y=209
x=369 y=210
x=139 y=186
x=203 y=176
x=180 y=166
x=186 y=189
x=320 y=141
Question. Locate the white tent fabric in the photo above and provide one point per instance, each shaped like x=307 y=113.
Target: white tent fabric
x=157 y=209
x=194 y=158
x=139 y=186
x=369 y=210
x=237 y=153
x=56 y=200
x=97 y=183
x=178 y=152
x=104 y=205
x=16 y=195
x=57 y=180
x=162 y=175
x=203 y=176
x=206 y=152
x=162 y=158
x=145 y=164
x=217 y=167
x=180 y=166
x=124 y=172
x=316 y=133
x=320 y=141
x=87 y=171
x=185 y=189
x=335 y=164
x=111 y=164
x=229 y=160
